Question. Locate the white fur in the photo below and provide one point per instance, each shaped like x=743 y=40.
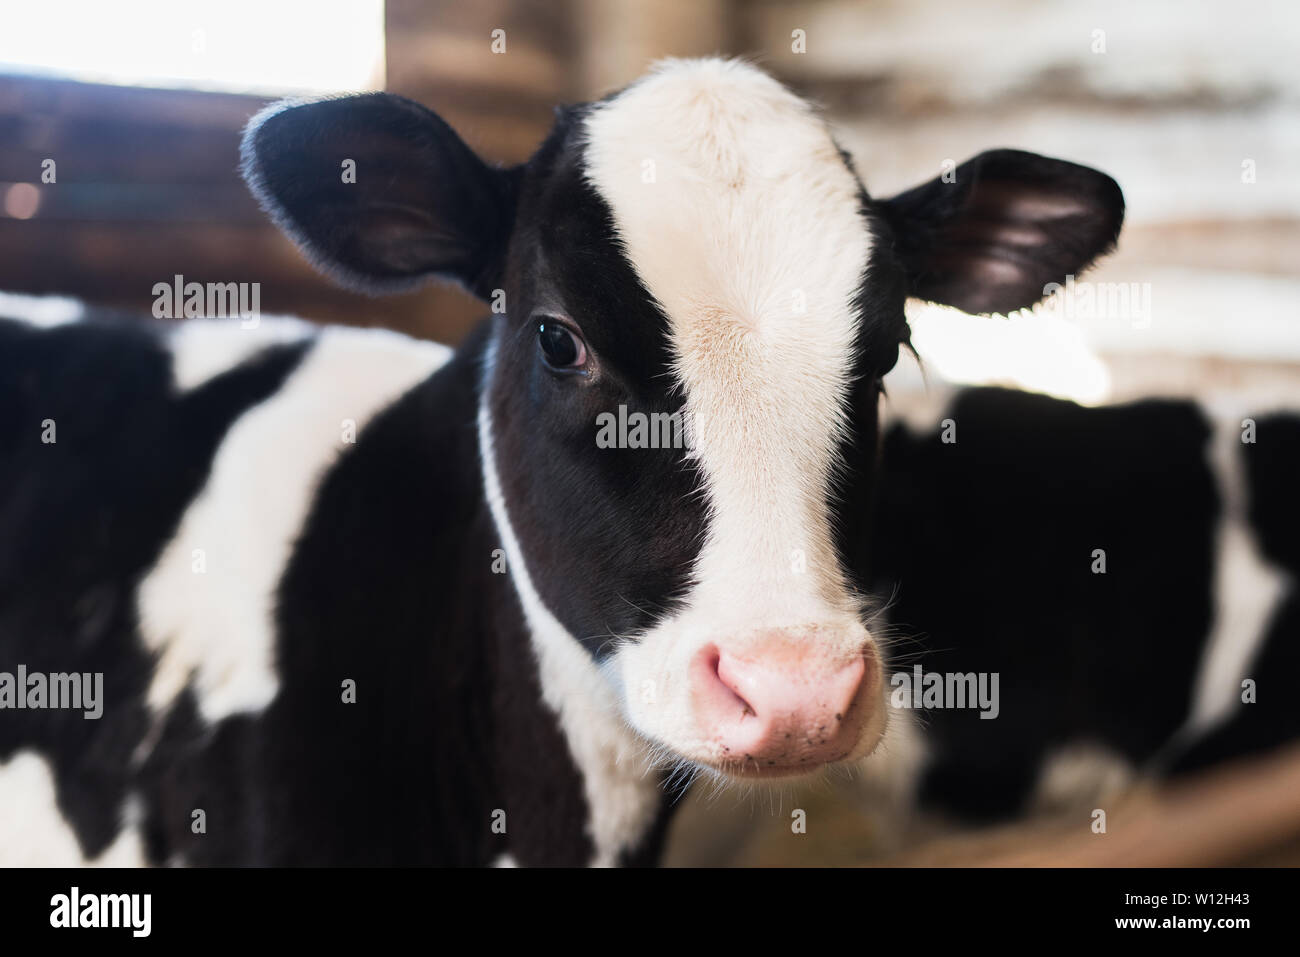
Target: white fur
x=44 y=311
x=622 y=797
x=33 y=833
x=217 y=628
x=751 y=240
x=1247 y=588
x=204 y=348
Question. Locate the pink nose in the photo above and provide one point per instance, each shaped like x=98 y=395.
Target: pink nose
x=782 y=710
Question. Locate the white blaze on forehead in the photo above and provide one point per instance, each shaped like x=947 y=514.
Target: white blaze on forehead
x=741 y=218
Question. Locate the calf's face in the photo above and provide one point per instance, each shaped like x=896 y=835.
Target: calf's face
x=695 y=302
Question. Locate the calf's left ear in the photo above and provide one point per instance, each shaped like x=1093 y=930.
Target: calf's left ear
x=989 y=236
x=379 y=192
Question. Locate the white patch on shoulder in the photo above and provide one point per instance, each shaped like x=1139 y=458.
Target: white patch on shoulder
x=622 y=796
x=204 y=348
x=216 y=627
x=44 y=311
x=34 y=833
x=742 y=219
x=1247 y=587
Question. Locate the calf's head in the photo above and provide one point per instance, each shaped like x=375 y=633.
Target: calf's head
x=695 y=301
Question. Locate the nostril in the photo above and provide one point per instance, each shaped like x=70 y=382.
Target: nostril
x=728 y=682
x=787 y=704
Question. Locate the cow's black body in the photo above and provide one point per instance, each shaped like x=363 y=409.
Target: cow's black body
x=389 y=586
x=986 y=547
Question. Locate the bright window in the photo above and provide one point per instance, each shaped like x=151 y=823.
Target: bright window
x=255 y=46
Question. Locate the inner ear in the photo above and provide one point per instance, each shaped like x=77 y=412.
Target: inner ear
x=1003 y=226
x=380 y=193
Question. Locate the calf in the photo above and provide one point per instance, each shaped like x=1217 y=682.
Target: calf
x=477 y=634
x=1128 y=572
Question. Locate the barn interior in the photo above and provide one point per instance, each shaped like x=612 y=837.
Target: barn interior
x=119 y=138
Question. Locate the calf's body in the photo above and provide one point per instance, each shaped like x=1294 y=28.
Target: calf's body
x=373 y=604
x=1127 y=571
x=120 y=558
x=390 y=709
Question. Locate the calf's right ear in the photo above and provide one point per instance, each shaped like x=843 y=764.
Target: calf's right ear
x=379 y=193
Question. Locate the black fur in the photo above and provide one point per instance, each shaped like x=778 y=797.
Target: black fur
x=83 y=519
x=615 y=530
x=1008 y=224
x=422 y=203
x=986 y=547
x=391 y=587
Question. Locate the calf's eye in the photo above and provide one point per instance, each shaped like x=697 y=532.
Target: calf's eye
x=562 y=348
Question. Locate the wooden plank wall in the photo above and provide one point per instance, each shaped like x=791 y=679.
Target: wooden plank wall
x=147 y=184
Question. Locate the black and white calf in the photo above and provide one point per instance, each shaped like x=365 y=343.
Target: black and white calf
x=1125 y=570
x=203 y=532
